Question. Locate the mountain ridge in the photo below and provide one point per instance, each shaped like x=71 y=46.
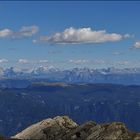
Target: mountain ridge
x=125 y=76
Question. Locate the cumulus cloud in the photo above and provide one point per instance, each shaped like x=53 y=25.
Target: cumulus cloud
x=28 y=30
x=23 y=61
x=136 y=45
x=80 y=36
x=3 y=60
x=25 y=31
x=5 y=33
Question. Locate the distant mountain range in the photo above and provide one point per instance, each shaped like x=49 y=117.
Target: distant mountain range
x=125 y=76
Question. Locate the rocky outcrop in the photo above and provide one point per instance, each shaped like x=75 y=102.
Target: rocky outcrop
x=49 y=129
x=63 y=128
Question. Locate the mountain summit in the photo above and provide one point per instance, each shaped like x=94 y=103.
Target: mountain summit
x=63 y=128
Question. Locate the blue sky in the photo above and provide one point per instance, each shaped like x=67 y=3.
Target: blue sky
x=69 y=34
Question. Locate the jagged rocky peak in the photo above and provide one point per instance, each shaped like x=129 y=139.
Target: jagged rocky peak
x=63 y=128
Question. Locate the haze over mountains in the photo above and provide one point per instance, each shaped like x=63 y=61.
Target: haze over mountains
x=127 y=76
x=102 y=103
x=30 y=95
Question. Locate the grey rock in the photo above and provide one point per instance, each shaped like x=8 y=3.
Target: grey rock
x=63 y=128
x=48 y=129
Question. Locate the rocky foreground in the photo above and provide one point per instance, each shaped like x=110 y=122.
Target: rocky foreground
x=63 y=128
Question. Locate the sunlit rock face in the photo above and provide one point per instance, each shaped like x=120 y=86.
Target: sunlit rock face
x=63 y=128
x=48 y=129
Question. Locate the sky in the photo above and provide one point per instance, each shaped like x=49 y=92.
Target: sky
x=69 y=34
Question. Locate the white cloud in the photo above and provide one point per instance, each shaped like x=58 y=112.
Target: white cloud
x=23 y=61
x=136 y=45
x=43 y=61
x=128 y=36
x=25 y=31
x=123 y=62
x=5 y=33
x=26 y=61
x=80 y=36
x=3 y=60
x=28 y=30
x=79 y=61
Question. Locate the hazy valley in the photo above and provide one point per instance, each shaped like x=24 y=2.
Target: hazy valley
x=21 y=107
